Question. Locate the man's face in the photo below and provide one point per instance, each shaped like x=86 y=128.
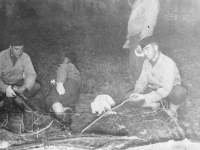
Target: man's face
x=66 y=60
x=150 y=51
x=17 y=51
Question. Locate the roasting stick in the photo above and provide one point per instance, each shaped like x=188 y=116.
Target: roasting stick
x=93 y=122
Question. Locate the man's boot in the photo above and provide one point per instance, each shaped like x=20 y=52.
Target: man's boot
x=28 y=121
x=155 y=106
x=172 y=111
x=65 y=119
x=21 y=104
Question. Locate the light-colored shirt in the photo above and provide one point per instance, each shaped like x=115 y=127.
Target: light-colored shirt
x=163 y=76
x=143 y=18
x=10 y=74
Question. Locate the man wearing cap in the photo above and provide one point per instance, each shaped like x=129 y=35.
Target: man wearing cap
x=160 y=79
x=17 y=75
x=141 y=24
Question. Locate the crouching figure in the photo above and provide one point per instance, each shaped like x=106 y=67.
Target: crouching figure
x=17 y=74
x=63 y=97
x=160 y=79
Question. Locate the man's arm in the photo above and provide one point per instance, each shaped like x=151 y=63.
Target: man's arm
x=140 y=87
x=3 y=86
x=141 y=83
x=167 y=85
x=133 y=6
x=30 y=74
x=152 y=9
x=62 y=73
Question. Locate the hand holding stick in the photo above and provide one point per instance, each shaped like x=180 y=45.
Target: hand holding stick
x=104 y=115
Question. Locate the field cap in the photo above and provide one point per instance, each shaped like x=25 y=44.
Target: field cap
x=16 y=41
x=146 y=41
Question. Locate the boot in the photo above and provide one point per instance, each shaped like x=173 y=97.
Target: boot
x=155 y=106
x=172 y=111
x=28 y=121
x=21 y=104
x=65 y=119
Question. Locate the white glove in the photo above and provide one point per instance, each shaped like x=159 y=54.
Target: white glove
x=138 y=51
x=60 y=88
x=126 y=44
x=10 y=92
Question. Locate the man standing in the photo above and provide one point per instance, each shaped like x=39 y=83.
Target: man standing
x=17 y=75
x=141 y=24
x=160 y=79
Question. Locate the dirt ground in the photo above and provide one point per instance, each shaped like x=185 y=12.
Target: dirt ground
x=98 y=41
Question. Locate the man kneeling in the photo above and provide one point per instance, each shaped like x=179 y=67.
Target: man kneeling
x=160 y=79
x=17 y=75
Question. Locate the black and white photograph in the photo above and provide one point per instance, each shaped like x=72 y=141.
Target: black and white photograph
x=99 y=75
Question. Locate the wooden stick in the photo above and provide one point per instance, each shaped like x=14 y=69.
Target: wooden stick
x=104 y=115
x=27 y=146
x=33 y=133
x=78 y=139
x=73 y=139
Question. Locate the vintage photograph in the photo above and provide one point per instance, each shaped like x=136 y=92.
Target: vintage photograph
x=99 y=75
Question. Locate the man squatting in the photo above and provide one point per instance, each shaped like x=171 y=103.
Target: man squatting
x=160 y=79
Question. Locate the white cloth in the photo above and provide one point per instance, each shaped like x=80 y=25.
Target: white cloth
x=102 y=103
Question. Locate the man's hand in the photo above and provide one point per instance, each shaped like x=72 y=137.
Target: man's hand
x=19 y=89
x=139 y=52
x=126 y=44
x=10 y=92
x=60 y=88
x=136 y=97
x=139 y=49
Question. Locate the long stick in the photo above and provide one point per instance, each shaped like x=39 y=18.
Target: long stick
x=77 y=139
x=104 y=115
x=73 y=139
x=37 y=132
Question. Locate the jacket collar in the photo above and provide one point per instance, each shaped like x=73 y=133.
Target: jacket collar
x=160 y=59
x=7 y=53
